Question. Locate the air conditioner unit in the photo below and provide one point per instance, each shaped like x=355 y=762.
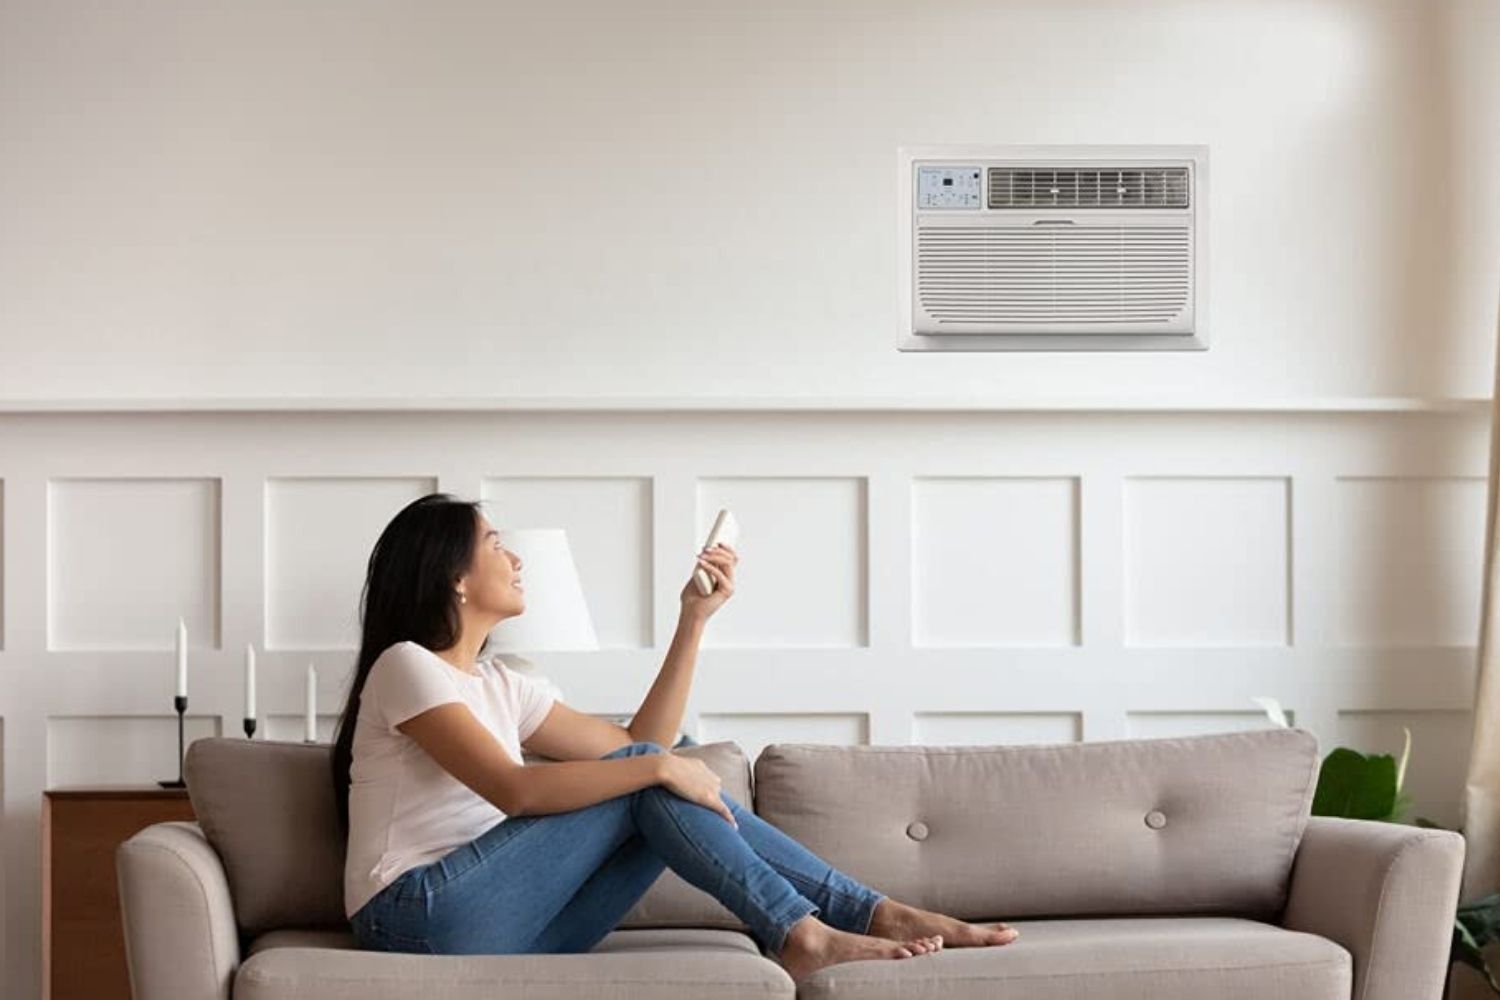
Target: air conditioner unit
x=1053 y=248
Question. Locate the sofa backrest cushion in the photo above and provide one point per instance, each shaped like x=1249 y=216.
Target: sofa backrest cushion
x=267 y=808
x=1198 y=824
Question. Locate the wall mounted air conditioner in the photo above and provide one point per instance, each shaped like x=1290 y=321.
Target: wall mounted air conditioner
x=1053 y=248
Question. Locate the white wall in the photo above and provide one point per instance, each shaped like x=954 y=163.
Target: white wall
x=293 y=205
x=475 y=199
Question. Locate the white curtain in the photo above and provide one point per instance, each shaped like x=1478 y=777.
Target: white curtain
x=1480 y=815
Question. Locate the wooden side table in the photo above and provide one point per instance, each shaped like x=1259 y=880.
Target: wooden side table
x=83 y=942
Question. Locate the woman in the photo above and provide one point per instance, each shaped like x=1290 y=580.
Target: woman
x=455 y=846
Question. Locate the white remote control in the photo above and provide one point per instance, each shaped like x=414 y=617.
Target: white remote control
x=727 y=530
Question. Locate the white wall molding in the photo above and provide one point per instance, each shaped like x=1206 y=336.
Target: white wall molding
x=1007 y=403
x=851 y=519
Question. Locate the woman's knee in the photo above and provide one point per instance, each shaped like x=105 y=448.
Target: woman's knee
x=636 y=749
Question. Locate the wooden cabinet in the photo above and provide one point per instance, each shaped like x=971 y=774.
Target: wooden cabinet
x=83 y=946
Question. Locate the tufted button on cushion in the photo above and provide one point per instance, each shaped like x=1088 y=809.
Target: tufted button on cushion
x=917 y=830
x=1156 y=819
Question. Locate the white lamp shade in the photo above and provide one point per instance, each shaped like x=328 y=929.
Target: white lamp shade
x=556 y=617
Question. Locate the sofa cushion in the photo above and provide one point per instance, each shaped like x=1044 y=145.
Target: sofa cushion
x=1198 y=824
x=618 y=940
x=626 y=965
x=1164 y=958
x=267 y=808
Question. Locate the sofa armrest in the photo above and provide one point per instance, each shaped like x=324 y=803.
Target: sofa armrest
x=181 y=941
x=1385 y=891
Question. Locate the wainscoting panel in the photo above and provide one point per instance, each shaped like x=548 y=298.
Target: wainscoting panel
x=752 y=731
x=127 y=558
x=959 y=577
x=1164 y=725
x=319 y=532
x=992 y=728
x=121 y=749
x=994 y=561
x=1207 y=561
x=1400 y=587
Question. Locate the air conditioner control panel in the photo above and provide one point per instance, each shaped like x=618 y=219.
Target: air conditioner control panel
x=948 y=187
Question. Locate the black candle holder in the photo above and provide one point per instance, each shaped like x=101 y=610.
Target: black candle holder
x=249 y=729
x=181 y=702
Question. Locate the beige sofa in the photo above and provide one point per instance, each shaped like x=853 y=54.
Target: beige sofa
x=1169 y=869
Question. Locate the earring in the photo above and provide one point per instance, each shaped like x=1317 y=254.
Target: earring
x=463 y=598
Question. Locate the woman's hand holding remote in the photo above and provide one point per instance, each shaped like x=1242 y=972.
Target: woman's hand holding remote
x=719 y=563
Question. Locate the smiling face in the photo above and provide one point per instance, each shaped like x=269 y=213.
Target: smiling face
x=493 y=584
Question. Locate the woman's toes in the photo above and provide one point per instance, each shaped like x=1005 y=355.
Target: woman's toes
x=926 y=945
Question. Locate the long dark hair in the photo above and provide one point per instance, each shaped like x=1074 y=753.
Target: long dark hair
x=408 y=594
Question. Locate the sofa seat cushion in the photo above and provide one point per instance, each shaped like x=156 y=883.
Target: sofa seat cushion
x=687 y=963
x=652 y=939
x=1103 y=958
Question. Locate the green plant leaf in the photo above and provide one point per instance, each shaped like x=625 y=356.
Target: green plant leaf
x=1402 y=806
x=1465 y=950
x=1355 y=786
x=1479 y=921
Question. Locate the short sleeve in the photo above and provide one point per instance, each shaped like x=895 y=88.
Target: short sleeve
x=533 y=702
x=406 y=684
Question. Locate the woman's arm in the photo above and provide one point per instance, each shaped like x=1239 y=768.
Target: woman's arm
x=660 y=716
x=559 y=786
x=462 y=746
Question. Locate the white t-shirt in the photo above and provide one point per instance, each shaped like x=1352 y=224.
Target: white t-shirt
x=404 y=809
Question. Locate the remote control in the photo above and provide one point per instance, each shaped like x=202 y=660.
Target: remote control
x=727 y=530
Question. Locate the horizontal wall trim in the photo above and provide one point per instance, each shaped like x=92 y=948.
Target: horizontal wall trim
x=851 y=404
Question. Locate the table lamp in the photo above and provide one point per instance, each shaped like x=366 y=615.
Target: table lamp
x=556 y=616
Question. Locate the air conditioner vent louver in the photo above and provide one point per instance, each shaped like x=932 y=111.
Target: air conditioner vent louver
x=1030 y=189
x=1043 y=275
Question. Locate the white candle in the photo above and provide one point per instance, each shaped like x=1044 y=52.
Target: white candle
x=181 y=658
x=249 y=680
x=311 y=733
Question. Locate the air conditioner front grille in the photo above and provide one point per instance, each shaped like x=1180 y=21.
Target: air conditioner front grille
x=1150 y=187
x=1052 y=274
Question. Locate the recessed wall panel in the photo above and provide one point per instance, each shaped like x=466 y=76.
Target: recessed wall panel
x=119 y=749
x=801 y=579
x=1206 y=561
x=608 y=524
x=995 y=728
x=126 y=558
x=319 y=534
x=753 y=731
x=1410 y=560
x=291 y=727
x=994 y=561
x=1164 y=725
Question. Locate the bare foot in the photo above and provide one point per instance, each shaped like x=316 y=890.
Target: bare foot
x=898 y=921
x=811 y=944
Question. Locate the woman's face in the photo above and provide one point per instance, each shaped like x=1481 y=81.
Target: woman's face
x=493 y=584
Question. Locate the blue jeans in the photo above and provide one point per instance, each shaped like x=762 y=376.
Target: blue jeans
x=560 y=882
